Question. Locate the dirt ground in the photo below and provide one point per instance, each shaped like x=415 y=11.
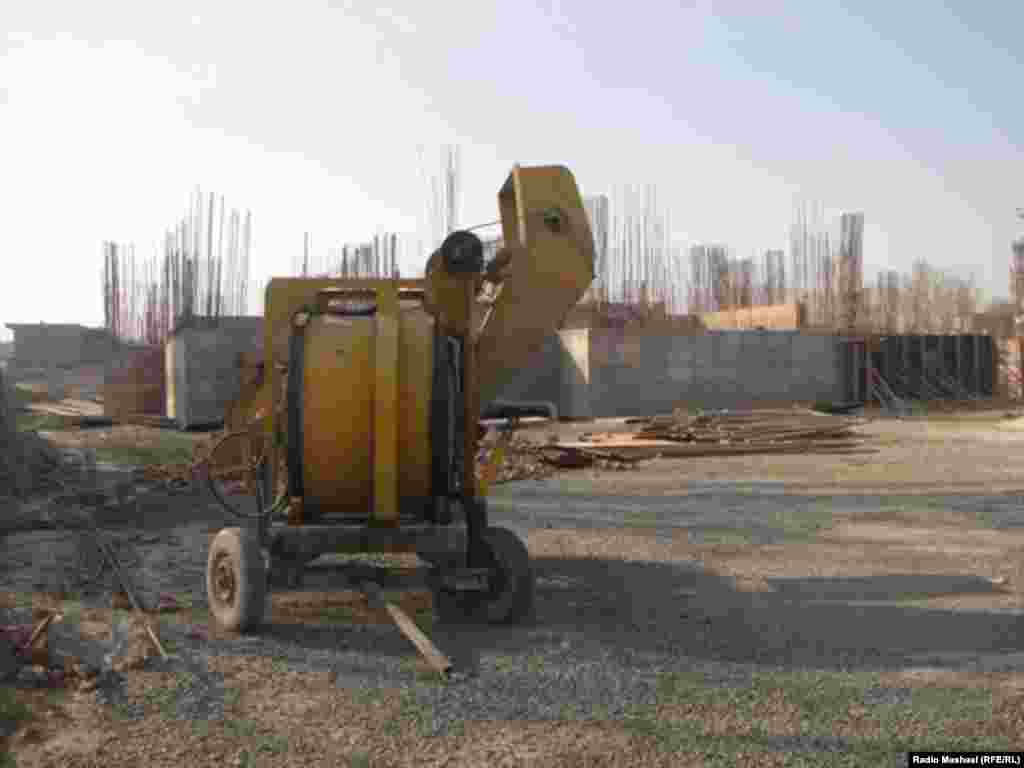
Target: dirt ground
x=902 y=563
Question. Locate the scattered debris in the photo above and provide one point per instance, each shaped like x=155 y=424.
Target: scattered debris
x=235 y=478
x=17 y=634
x=110 y=559
x=524 y=459
x=133 y=641
x=69 y=646
x=76 y=654
x=167 y=603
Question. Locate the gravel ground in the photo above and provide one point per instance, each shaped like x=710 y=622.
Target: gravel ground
x=750 y=506
x=604 y=631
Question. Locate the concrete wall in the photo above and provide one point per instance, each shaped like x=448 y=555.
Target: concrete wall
x=203 y=369
x=559 y=374
x=541 y=380
x=717 y=369
x=615 y=372
x=99 y=346
x=45 y=346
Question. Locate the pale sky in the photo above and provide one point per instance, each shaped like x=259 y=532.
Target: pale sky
x=310 y=115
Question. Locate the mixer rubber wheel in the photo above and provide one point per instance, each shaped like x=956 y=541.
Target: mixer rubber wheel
x=510 y=597
x=236 y=580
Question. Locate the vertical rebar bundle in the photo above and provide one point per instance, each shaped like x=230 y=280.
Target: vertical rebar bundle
x=376 y=258
x=635 y=261
x=597 y=213
x=144 y=302
x=443 y=195
x=850 y=261
x=1017 y=275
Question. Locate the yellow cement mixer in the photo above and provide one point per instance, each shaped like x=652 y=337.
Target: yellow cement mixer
x=373 y=391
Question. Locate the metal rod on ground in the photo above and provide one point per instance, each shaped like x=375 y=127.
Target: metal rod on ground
x=111 y=559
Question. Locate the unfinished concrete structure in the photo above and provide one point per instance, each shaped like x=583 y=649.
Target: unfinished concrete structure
x=73 y=360
x=202 y=367
x=591 y=373
x=631 y=363
x=922 y=367
x=133 y=383
x=40 y=346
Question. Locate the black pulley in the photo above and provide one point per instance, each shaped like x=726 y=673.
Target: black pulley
x=463 y=253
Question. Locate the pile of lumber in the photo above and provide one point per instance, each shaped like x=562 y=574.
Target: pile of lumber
x=70 y=413
x=727 y=433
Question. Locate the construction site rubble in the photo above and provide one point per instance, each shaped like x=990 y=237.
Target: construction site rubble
x=233 y=474
x=85 y=643
x=526 y=459
x=521 y=460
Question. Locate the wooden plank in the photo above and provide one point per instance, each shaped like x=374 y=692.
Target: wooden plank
x=408 y=627
x=427 y=649
x=54 y=410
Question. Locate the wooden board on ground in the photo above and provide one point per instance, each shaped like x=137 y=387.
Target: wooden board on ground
x=641 y=448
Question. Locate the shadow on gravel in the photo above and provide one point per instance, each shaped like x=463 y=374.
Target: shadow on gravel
x=635 y=612
x=637 y=609
x=888 y=588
